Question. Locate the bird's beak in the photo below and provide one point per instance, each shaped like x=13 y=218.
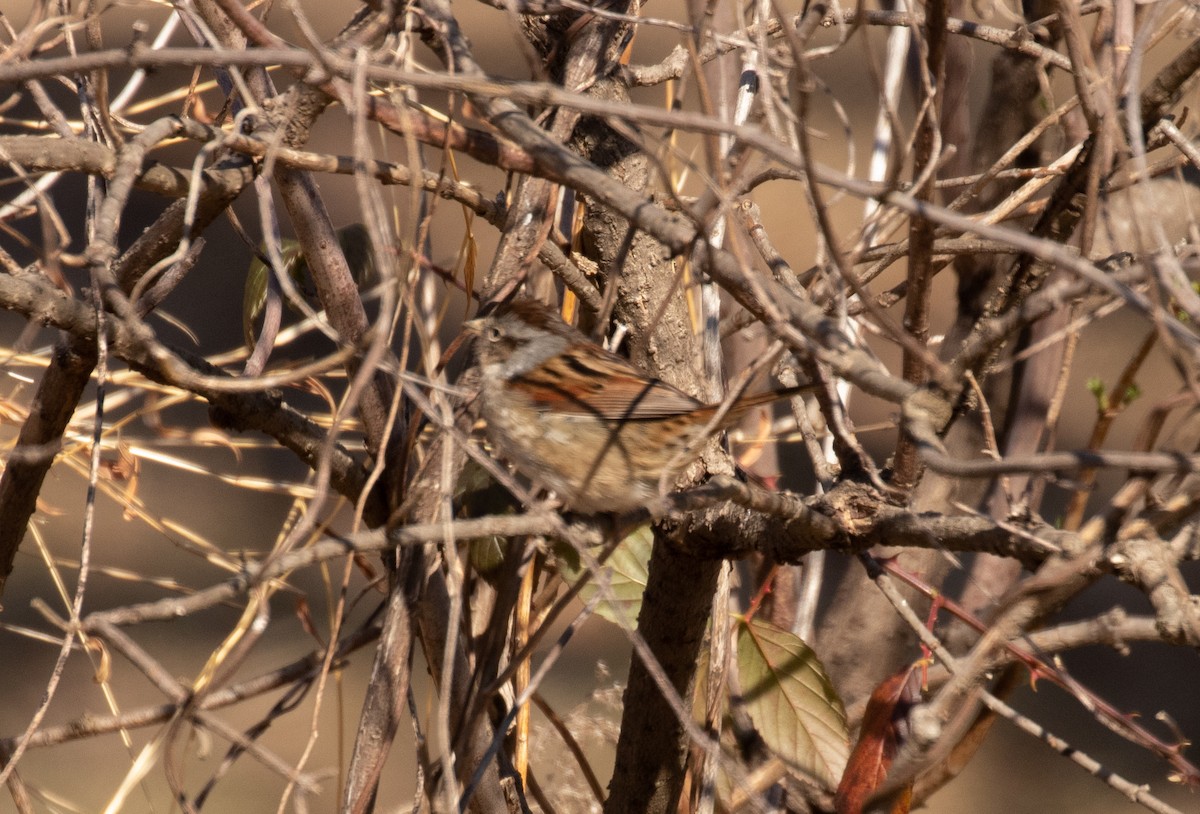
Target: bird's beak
x=474 y=327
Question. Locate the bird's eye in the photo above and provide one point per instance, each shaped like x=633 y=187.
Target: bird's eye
x=493 y=334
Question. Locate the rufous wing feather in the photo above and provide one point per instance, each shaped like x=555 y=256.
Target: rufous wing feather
x=612 y=389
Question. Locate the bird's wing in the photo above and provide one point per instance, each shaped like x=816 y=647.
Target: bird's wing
x=605 y=386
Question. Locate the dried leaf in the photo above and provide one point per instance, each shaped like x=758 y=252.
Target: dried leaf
x=880 y=738
x=103 y=671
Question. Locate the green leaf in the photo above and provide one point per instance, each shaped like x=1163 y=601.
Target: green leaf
x=254 y=295
x=1132 y=394
x=626 y=572
x=791 y=700
x=1095 y=386
x=355 y=241
x=356 y=246
x=477 y=494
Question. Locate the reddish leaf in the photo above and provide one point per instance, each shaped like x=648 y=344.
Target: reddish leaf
x=304 y=614
x=878 y=741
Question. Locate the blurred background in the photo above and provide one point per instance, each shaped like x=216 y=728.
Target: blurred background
x=240 y=492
